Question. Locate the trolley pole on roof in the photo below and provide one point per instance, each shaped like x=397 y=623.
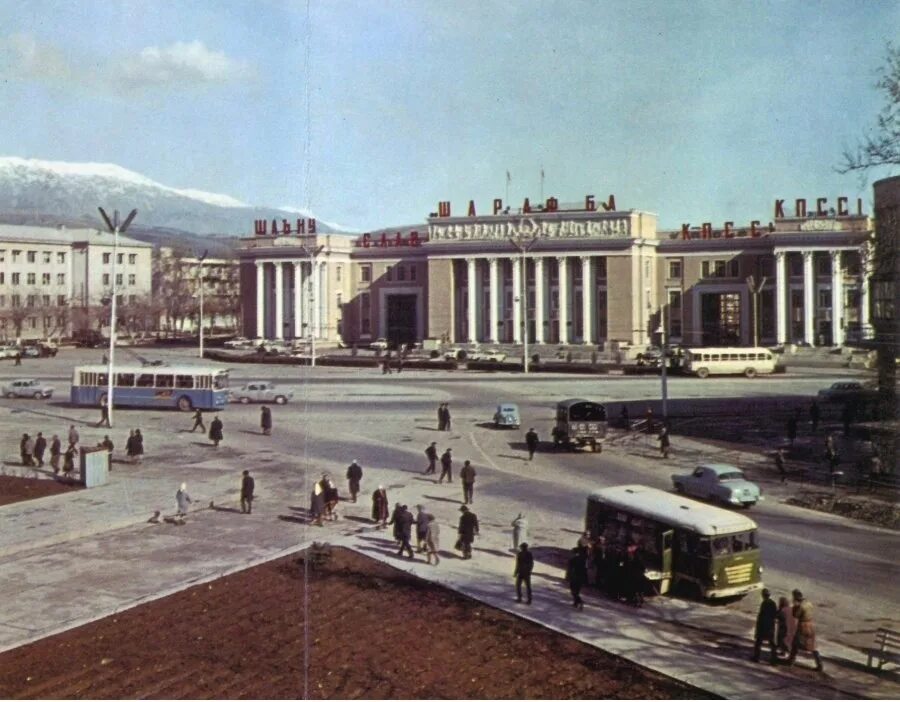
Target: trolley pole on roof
x=116 y=229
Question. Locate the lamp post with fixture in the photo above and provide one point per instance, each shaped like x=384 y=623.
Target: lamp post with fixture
x=521 y=295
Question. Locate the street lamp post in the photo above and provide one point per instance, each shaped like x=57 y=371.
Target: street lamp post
x=116 y=229
x=755 y=290
x=664 y=379
x=202 y=258
x=312 y=301
x=522 y=294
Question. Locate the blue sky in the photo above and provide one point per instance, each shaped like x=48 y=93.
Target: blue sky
x=699 y=111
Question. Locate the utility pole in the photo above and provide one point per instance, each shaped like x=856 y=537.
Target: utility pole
x=755 y=290
x=522 y=294
x=116 y=229
x=313 y=312
x=201 y=259
x=664 y=379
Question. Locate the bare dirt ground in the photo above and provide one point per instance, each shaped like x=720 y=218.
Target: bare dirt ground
x=374 y=632
x=14 y=489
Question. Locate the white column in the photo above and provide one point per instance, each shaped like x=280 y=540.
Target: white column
x=865 y=326
x=472 y=292
x=298 y=298
x=587 y=300
x=563 y=299
x=809 y=296
x=314 y=315
x=493 y=293
x=279 y=300
x=781 y=316
x=539 y=300
x=517 y=306
x=837 y=300
x=260 y=300
x=322 y=297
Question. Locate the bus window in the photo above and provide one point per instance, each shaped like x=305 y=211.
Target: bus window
x=164 y=381
x=713 y=357
x=220 y=381
x=202 y=382
x=145 y=380
x=703 y=549
x=742 y=357
x=124 y=380
x=751 y=540
x=184 y=381
x=720 y=546
x=102 y=379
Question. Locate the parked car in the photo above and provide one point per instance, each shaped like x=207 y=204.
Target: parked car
x=27 y=387
x=9 y=351
x=380 y=344
x=846 y=391
x=274 y=348
x=239 y=342
x=454 y=353
x=259 y=392
x=507 y=415
x=495 y=355
x=719 y=482
x=31 y=351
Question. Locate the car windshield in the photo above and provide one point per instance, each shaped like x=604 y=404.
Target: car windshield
x=587 y=412
x=220 y=381
x=733 y=475
x=507 y=408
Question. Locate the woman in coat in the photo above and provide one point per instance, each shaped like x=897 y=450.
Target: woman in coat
x=317 y=503
x=138 y=445
x=805 y=638
x=432 y=540
x=380 y=506
x=786 y=625
x=215 y=431
x=265 y=420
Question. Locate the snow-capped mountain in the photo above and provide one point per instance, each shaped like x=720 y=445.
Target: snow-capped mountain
x=34 y=188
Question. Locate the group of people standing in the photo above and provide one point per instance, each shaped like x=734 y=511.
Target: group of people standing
x=324 y=500
x=32 y=450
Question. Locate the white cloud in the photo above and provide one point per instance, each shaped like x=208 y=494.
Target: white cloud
x=182 y=63
x=23 y=56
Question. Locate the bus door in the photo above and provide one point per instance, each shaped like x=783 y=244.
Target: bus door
x=666 y=541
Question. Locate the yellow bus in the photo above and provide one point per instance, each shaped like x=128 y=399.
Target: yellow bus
x=724 y=360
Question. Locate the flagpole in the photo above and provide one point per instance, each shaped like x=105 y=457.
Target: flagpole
x=542 y=182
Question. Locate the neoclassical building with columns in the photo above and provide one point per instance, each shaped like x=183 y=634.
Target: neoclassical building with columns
x=567 y=275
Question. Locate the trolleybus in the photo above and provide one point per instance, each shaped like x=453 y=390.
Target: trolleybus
x=750 y=362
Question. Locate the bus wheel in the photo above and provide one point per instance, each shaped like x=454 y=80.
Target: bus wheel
x=703 y=372
x=185 y=404
x=750 y=372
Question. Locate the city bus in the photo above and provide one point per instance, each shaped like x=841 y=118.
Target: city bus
x=186 y=387
x=708 y=551
x=748 y=361
x=579 y=423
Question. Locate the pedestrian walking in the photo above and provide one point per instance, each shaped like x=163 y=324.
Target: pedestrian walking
x=69 y=460
x=765 y=628
x=522 y=572
x=634 y=572
x=531 y=441
x=380 y=506
x=649 y=418
x=55 y=453
x=198 y=421
x=664 y=442
x=405 y=521
x=248 y=485
x=779 y=464
x=331 y=499
x=792 y=429
x=467 y=475
x=446 y=467
x=73 y=435
x=432 y=540
x=431 y=454
x=354 y=476
x=814 y=415
x=395 y=522
x=467 y=530
x=265 y=420
x=138 y=446
x=215 y=431
x=805 y=636
x=183 y=501
x=624 y=418
x=831 y=454
x=317 y=503
x=421 y=528
x=519 y=532
x=576 y=574
x=26 y=450
x=18 y=358
x=447 y=422
x=104 y=416
x=786 y=626
x=129 y=446
x=386 y=365
x=40 y=445
x=442 y=423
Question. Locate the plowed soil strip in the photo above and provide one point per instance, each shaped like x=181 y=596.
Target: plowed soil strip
x=374 y=632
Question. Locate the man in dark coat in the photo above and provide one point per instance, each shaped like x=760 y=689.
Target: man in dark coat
x=26 y=446
x=522 y=573
x=380 y=506
x=265 y=420
x=198 y=421
x=40 y=445
x=421 y=528
x=446 y=417
x=354 y=475
x=468 y=530
x=446 y=467
x=431 y=454
x=404 y=523
x=531 y=441
x=765 y=627
x=104 y=417
x=814 y=415
x=138 y=445
x=247 y=487
x=442 y=424
x=395 y=522
x=467 y=475
x=55 y=452
x=576 y=574
x=779 y=464
x=215 y=431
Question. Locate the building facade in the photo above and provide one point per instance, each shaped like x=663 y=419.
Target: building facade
x=178 y=282
x=566 y=275
x=54 y=280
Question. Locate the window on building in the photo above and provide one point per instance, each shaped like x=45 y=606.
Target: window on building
x=106 y=278
x=554 y=300
x=15 y=301
x=339 y=300
x=3 y=301
x=118 y=278
x=15 y=255
x=674 y=266
x=48 y=322
x=120 y=300
x=2 y=255
x=45 y=256
x=46 y=299
x=107 y=257
x=45 y=279
x=120 y=258
x=365 y=314
x=823 y=265
x=132 y=299
x=412 y=272
x=365 y=273
x=401 y=272
x=765 y=266
x=15 y=278
x=132 y=259
x=30 y=278
x=720 y=269
x=32 y=321
x=61 y=257
x=2 y=278
x=132 y=279
x=32 y=257
x=60 y=278
x=337 y=274
x=600 y=266
x=795 y=263
x=824 y=299
x=61 y=300
x=30 y=300
x=675 y=300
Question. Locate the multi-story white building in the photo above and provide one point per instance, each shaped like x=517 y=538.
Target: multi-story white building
x=55 y=280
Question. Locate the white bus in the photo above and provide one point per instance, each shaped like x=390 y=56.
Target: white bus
x=748 y=361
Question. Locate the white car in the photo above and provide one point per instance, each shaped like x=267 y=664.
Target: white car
x=239 y=343
x=495 y=355
x=28 y=387
x=379 y=345
x=453 y=353
x=260 y=392
x=8 y=351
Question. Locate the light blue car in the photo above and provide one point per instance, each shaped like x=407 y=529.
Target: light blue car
x=507 y=415
x=718 y=482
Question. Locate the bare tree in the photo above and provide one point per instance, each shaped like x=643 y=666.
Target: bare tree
x=172 y=287
x=882 y=146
